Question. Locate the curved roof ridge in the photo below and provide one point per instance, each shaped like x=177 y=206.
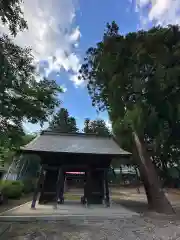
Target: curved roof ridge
x=56 y=132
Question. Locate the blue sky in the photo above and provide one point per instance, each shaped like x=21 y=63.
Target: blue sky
x=66 y=28
x=91 y=19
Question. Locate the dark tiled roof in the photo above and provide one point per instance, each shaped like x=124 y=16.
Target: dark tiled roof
x=50 y=141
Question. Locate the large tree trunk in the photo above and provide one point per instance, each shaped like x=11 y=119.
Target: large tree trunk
x=137 y=180
x=155 y=195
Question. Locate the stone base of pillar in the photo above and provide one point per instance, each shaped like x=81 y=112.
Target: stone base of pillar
x=60 y=200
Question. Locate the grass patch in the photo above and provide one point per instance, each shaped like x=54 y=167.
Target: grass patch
x=69 y=196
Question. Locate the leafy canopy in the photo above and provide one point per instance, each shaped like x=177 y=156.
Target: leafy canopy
x=22 y=97
x=63 y=123
x=11 y=14
x=97 y=126
x=136 y=79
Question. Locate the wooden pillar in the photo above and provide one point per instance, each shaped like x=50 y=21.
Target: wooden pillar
x=42 y=190
x=37 y=189
x=60 y=187
x=88 y=187
x=84 y=197
x=65 y=184
x=61 y=196
x=106 y=185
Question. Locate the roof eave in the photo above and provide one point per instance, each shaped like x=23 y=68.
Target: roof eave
x=23 y=150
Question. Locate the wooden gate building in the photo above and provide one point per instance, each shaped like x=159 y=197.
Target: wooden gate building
x=72 y=152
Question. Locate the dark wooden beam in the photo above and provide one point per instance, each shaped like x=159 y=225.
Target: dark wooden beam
x=88 y=188
x=37 y=189
x=106 y=185
x=67 y=168
x=49 y=167
x=60 y=186
x=102 y=169
x=61 y=195
x=75 y=167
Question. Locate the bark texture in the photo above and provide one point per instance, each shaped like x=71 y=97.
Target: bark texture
x=155 y=194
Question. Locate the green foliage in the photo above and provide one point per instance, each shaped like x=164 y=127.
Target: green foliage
x=6 y=155
x=8 y=152
x=136 y=79
x=11 y=189
x=63 y=123
x=97 y=126
x=11 y=14
x=22 y=97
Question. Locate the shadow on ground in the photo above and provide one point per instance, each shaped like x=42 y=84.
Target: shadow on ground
x=136 y=206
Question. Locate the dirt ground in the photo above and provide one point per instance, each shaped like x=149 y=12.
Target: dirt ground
x=142 y=227
x=11 y=203
x=128 y=197
x=131 y=199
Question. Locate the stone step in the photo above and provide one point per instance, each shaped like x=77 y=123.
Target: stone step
x=4 y=227
x=71 y=217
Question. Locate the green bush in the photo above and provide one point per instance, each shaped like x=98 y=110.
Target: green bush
x=28 y=185
x=12 y=189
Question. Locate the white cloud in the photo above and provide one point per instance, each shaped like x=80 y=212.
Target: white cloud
x=74 y=78
x=51 y=33
x=108 y=124
x=142 y=3
x=53 y=37
x=34 y=128
x=64 y=88
x=75 y=35
x=159 y=11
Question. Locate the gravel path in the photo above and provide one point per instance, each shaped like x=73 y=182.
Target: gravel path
x=93 y=228
x=86 y=229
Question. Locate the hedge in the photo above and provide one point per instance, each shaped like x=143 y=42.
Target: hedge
x=11 y=189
